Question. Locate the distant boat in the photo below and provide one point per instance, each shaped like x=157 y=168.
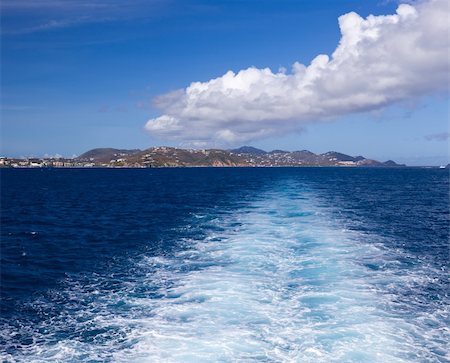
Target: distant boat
x=442 y=167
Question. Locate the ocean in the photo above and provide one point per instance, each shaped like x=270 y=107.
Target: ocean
x=225 y=265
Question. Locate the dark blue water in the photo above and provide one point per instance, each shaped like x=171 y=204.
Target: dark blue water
x=211 y=264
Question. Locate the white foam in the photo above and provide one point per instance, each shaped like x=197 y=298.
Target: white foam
x=287 y=285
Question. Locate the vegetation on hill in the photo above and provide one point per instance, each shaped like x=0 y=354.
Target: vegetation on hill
x=243 y=156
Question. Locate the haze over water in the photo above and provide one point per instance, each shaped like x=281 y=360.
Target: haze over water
x=212 y=264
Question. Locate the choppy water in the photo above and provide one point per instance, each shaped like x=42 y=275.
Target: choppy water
x=226 y=265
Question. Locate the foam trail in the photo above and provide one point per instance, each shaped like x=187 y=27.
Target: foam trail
x=282 y=284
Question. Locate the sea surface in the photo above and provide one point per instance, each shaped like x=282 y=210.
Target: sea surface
x=225 y=265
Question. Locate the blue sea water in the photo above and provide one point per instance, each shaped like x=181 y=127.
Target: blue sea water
x=225 y=265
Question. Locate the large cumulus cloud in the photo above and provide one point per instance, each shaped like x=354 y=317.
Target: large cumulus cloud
x=379 y=61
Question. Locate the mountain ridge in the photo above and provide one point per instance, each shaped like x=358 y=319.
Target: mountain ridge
x=165 y=156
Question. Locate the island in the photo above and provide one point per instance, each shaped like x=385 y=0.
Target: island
x=164 y=156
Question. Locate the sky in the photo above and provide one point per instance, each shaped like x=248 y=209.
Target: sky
x=360 y=77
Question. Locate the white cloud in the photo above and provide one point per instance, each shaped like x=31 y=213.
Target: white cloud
x=379 y=61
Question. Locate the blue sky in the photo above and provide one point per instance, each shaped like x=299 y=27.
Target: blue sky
x=83 y=74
